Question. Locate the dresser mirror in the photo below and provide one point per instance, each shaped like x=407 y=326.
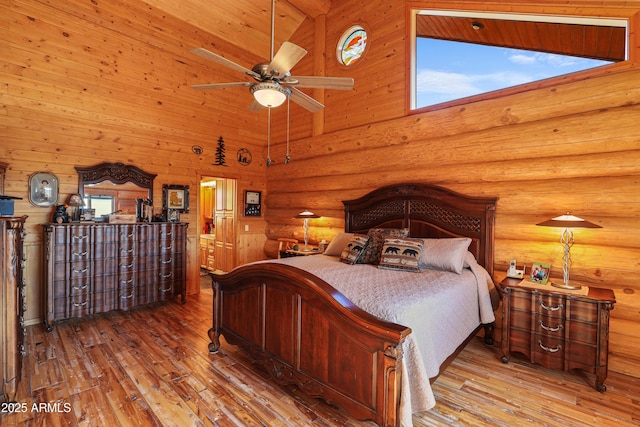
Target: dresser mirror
x=114 y=187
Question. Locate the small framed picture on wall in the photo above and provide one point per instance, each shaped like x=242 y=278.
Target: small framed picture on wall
x=43 y=189
x=252 y=203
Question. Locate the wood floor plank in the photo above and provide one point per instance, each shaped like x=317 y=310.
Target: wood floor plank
x=151 y=367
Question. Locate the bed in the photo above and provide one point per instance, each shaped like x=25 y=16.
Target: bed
x=294 y=319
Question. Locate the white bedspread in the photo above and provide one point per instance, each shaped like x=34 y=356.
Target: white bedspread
x=441 y=308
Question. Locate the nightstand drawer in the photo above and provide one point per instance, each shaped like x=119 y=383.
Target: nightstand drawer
x=548 y=352
x=550 y=305
x=550 y=326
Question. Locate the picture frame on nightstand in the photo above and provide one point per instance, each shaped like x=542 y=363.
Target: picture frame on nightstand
x=540 y=273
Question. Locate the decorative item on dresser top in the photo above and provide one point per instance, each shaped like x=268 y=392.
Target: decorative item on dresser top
x=12 y=301
x=557 y=328
x=330 y=327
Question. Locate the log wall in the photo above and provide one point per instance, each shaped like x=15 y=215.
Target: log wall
x=570 y=144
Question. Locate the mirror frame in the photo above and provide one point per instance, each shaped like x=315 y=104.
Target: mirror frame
x=118 y=173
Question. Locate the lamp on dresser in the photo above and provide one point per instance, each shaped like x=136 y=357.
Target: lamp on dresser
x=306 y=214
x=76 y=201
x=567 y=221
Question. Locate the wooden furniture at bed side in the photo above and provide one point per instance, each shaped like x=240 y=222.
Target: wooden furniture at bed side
x=304 y=332
x=12 y=301
x=93 y=268
x=557 y=329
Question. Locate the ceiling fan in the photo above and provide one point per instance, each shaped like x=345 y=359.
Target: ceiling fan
x=274 y=83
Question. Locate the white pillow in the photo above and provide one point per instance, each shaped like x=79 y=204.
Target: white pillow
x=445 y=254
x=337 y=245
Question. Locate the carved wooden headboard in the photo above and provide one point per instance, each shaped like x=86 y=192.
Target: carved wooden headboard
x=427 y=211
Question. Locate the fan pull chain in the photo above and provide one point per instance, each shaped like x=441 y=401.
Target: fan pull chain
x=269 y=137
x=287 y=159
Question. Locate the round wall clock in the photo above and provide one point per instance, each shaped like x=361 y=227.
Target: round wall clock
x=244 y=157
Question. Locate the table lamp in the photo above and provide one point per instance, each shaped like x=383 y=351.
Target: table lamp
x=76 y=201
x=567 y=221
x=306 y=214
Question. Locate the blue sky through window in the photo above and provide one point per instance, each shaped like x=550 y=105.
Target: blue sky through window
x=449 y=70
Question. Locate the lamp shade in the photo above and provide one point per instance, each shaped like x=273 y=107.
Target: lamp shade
x=307 y=214
x=75 y=200
x=568 y=221
x=270 y=94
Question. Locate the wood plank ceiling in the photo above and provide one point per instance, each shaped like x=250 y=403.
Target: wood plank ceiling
x=587 y=41
x=245 y=24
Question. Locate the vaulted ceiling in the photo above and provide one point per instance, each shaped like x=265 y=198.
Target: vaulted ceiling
x=245 y=23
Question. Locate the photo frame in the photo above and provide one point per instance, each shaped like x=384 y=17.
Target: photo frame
x=252 y=203
x=540 y=273
x=175 y=197
x=43 y=189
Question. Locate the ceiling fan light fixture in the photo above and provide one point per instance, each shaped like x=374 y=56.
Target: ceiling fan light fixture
x=270 y=94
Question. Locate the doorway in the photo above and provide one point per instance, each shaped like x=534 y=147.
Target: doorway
x=218 y=222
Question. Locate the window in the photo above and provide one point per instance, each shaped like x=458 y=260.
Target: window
x=461 y=54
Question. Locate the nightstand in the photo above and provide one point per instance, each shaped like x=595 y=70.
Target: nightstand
x=291 y=253
x=557 y=328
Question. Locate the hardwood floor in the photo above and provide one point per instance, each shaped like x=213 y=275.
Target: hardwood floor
x=151 y=367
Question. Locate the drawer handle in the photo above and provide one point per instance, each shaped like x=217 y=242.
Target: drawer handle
x=164 y=276
x=80 y=237
x=125 y=234
x=126 y=265
x=549 y=328
x=170 y=288
x=549 y=308
x=125 y=251
x=549 y=349
x=79 y=304
x=127 y=296
x=80 y=253
x=79 y=288
x=166 y=247
x=169 y=261
x=168 y=233
x=126 y=281
x=84 y=270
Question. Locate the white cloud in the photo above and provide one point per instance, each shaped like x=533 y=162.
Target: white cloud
x=458 y=85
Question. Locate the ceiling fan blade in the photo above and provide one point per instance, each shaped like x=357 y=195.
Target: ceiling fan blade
x=321 y=82
x=305 y=101
x=204 y=53
x=288 y=55
x=208 y=86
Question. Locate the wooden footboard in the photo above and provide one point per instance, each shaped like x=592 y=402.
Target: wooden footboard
x=304 y=332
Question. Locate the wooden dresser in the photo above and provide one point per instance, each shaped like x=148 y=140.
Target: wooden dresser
x=12 y=301
x=556 y=328
x=93 y=268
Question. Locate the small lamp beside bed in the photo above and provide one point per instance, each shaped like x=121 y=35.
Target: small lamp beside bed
x=567 y=222
x=306 y=214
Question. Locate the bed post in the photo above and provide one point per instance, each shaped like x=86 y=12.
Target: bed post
x=214 y=334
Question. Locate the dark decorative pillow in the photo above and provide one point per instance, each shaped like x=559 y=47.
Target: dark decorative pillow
x=377 y=237
x=401 y=254
x=354 y=249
